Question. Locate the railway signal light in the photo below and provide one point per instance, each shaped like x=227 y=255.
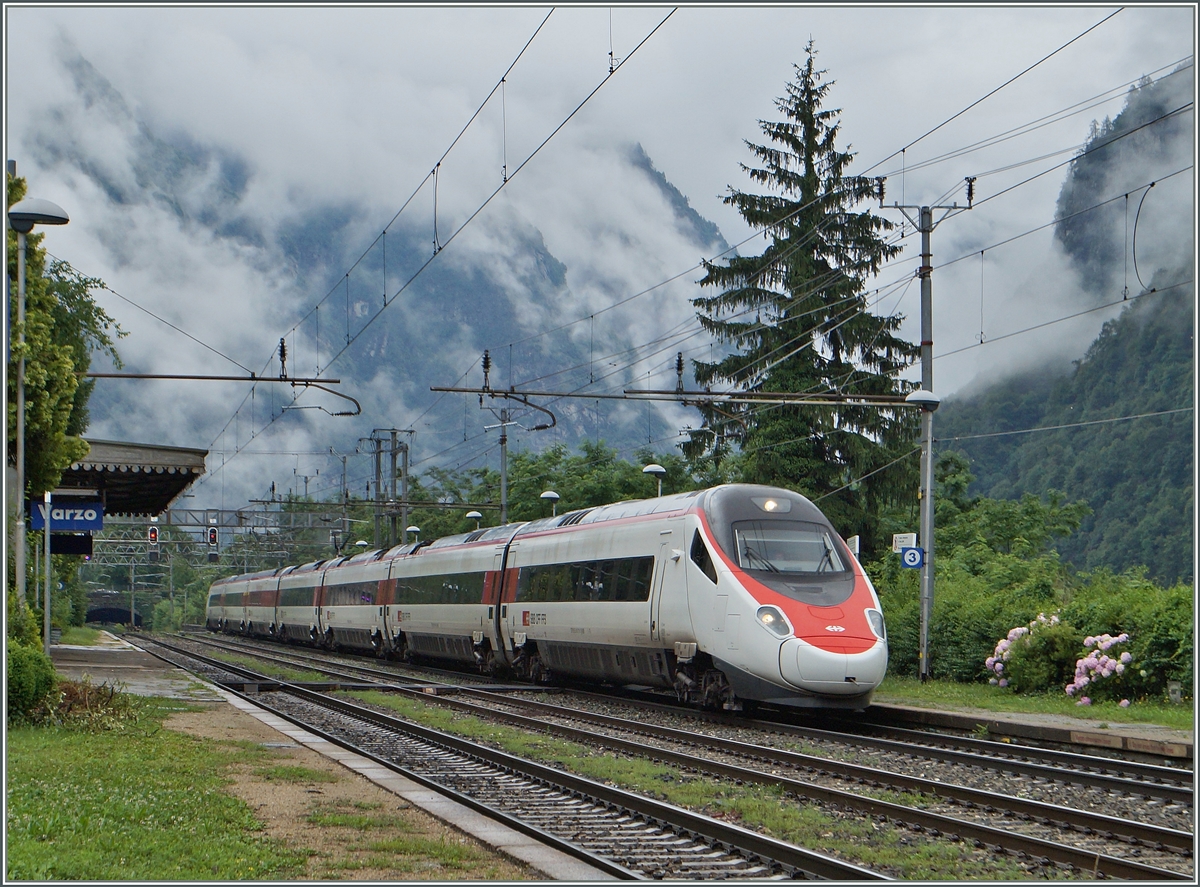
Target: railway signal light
x=152 y=535
x=212 y=545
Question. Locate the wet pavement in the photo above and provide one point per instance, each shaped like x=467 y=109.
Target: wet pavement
x=117 y=662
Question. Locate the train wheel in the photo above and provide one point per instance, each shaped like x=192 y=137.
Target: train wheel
x=283 y=635
x=490 y=666
x=717 y=694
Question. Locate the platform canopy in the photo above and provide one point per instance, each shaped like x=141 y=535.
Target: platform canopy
x=134 y=478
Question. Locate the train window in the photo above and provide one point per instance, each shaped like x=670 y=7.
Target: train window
x=619 y=579
x=296 y=597
x=449 y=588
x=786 y=547
x=702 y=558
x=352 y=594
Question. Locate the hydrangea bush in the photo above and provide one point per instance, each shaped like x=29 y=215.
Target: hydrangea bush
x=1034 y=658
x=1099 y=674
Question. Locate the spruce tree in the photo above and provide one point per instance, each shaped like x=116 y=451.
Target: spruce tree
x=796 y=320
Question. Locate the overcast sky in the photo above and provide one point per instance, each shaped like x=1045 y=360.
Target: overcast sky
x=320 y=107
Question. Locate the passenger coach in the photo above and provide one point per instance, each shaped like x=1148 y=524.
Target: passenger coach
x=731 y=594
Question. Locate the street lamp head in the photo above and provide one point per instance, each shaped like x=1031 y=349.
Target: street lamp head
x=361 y=543
x=549 y=496
x=35 y=211
x=413 y=529
x=926 y=400
x=655 y=469
x=475 y=516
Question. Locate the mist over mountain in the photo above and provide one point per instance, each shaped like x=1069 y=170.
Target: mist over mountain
x=243 y=260
x=1136 y=473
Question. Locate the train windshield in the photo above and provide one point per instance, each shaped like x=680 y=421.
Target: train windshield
x=786 y=547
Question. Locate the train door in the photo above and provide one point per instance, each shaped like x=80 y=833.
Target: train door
x=319 y=611
x=489 y=620
x=667 y=583
x=387 y=597
x=672 y=619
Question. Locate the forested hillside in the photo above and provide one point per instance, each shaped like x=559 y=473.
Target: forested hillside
x=1135 y=474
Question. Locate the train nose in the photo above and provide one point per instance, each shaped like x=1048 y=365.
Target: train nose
x=820 y=671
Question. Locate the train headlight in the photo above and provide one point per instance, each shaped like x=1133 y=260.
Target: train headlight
x=875 y=618
x=771 y=618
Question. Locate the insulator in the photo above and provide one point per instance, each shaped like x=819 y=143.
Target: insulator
x=970 y=190
x=879 y=188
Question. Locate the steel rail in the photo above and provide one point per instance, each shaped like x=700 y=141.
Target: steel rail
x=1043 y=813
x=1134 y=769
x=1176 y=790
x=1173 y=793
x=723 y=834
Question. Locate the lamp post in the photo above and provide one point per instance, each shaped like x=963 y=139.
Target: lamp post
x=22 y=217
x=416 y=531
x=475 y=516
x=928 y=401
x=658 y=471
x=551 y=497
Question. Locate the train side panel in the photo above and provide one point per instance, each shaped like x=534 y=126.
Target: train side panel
x=353 y=599
x=439 y=607
x=583 y=603
x=297 y=614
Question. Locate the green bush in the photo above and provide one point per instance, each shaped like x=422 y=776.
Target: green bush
x=1159 y=622
x=1044 y=660
x=31 y=680
x=23 y=623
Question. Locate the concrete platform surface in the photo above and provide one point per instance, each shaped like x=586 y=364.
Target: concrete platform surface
x=1152 y=739
x=117 y=662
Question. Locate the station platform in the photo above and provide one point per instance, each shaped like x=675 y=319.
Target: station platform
x=115 y=661
x=1148 y=739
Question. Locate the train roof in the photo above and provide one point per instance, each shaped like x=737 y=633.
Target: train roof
x=618 y=510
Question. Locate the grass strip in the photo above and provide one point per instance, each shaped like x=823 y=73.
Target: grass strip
x=942 y=694
x=137 y=803
x=79 y=636
x=763 y=808
x=272 y=669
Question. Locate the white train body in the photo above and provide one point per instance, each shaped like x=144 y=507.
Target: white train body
x=739 y=592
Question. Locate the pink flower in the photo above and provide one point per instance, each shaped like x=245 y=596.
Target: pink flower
x=1003 y=681
x=1120 y=667
x=989 y=662
x=1124 y=703
x=1125 y=657
x=1088 y=641
x=1084 y=701
x=999 y=665
x=993 y=681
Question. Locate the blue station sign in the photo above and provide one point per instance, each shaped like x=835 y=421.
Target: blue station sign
x=68 y=516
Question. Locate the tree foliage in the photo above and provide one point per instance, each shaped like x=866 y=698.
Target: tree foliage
x=796 y=320
x=63 y=328
x=996 y=568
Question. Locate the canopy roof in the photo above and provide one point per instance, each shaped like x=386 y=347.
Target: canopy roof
x=134 y=478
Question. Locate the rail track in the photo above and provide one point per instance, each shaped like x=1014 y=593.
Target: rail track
x=627 y=834
x=1047 y=834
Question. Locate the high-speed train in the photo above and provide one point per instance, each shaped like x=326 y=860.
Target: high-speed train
x=731 y=594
